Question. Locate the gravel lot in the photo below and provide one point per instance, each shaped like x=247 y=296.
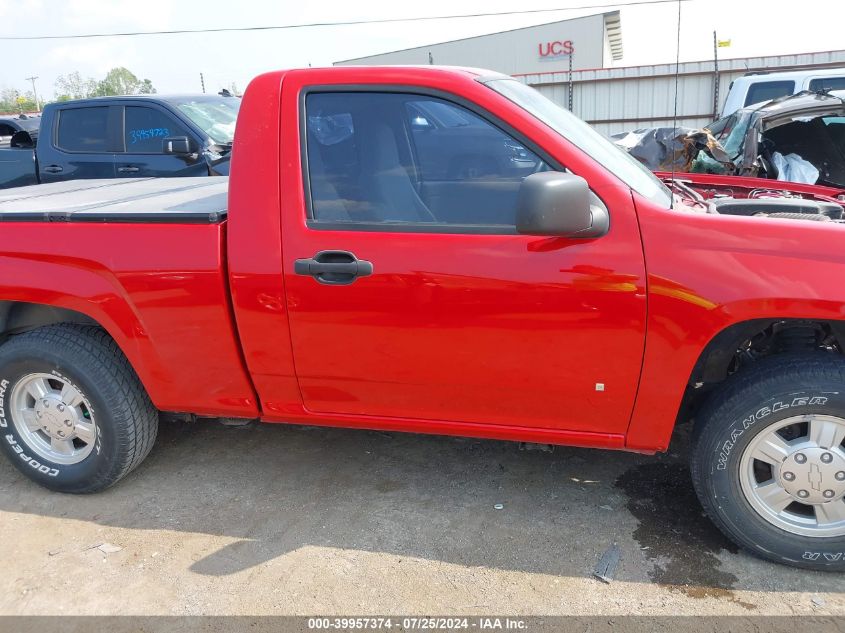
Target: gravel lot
x=298 y=520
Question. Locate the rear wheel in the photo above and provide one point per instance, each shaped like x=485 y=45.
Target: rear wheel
x=74 y=416
x=768 y=460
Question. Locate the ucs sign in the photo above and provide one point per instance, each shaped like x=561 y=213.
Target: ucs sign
x=556 y=49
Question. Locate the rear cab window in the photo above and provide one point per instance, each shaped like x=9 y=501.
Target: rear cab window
x=83 y=129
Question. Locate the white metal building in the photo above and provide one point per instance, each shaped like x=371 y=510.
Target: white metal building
x=592 y=41
x=612 y=99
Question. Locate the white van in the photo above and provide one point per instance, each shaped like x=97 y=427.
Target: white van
x=761 y=87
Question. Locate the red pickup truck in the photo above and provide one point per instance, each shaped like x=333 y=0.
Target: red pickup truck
x=438 y=251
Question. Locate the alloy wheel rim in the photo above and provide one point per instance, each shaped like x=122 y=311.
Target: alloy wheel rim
x=793 y=475
x=53 y=418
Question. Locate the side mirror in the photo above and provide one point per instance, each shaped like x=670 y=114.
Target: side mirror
x=178 y=145
x=22 y=140
x=556 y=204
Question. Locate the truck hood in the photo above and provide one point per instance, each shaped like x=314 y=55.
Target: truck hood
x=734 y=195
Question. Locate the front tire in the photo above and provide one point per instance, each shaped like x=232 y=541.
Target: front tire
x=74 y=416
x=768 y=460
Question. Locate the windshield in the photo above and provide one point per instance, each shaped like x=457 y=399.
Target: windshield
x=214 y=117
x=731 y=130
x=574 y=130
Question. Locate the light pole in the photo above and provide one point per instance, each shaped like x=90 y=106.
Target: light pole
x=34 y=93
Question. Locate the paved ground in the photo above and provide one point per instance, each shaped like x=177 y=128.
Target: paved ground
x=291 y=520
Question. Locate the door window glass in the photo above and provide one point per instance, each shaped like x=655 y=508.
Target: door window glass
x=398 y=159
x=146 y=128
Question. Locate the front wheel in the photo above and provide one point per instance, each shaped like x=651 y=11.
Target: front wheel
x=73 y=414
x=768 y=460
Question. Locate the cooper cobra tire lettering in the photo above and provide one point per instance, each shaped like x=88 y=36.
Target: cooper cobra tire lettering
x=3 y=386
x=34 y=463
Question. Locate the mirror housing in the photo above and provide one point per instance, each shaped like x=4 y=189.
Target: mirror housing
x=178 y=145
x=557 y=204
x=23 y=139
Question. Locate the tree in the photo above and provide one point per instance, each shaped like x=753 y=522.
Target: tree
x=121 y=81
x=8 y=100
x=118 y=81
x=73 y=86
x=13 y=102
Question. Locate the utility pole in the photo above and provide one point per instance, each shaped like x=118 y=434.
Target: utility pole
x=715 y=77
x=34 y=93
x=202 y=82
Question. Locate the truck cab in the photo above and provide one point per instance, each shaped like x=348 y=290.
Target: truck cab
x=131 y=137
x=760 y=87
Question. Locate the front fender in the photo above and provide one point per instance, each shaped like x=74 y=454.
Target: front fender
x=709 y=272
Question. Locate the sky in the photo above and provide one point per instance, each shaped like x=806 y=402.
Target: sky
x=174 y=62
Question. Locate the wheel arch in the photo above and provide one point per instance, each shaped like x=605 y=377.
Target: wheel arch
x=717 y=359
x=17 y=317
x=22 y=316
x=714 y=361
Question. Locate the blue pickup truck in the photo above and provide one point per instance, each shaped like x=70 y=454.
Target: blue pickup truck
x=124 y=137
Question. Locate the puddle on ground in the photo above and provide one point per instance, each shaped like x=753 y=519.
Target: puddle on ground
x=680 y=540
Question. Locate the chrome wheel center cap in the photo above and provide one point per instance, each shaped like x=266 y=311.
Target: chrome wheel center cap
x=56 y=418
x=813 y=475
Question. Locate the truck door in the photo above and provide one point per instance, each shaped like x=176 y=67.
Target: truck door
x=410 y=294
x=145 y=130
x=82 y=144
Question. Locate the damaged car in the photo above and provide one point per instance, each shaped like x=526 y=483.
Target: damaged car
x=798 y=138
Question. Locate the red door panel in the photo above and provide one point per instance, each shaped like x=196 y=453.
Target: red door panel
x=492 y=329
x=502 y=329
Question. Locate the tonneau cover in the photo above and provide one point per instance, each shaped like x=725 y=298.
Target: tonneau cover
x=138 y=200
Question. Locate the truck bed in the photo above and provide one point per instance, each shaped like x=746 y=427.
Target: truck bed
x=138 y=200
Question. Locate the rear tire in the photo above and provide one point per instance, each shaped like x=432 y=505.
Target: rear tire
x=768 y=460
x=74 y=416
